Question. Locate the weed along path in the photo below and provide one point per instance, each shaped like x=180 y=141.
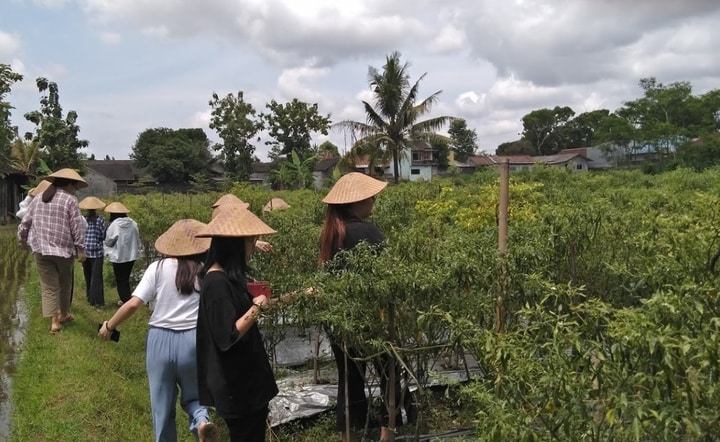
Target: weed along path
x=13 y=319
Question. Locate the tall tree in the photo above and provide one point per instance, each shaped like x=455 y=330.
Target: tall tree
x=172 y=156
x=542 y=128
x=57 y=136
x=463 y=140
x=392 y=122
x=8 y=132
x=236 y=124
x=326 y=147
x=290 y=126
x=582 y=130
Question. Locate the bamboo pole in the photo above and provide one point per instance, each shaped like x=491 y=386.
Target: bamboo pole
x=502 y=244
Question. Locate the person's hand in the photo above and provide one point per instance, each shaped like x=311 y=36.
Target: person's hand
x=264 y=246
x=260 y=301
x=104 y=332
x=24 y=245
x=81 y=256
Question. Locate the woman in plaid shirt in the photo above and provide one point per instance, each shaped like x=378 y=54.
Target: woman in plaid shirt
x=93 y=265
x=54 y=230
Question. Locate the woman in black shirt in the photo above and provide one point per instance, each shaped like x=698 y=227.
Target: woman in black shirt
x=234 y=372
x=350 y=202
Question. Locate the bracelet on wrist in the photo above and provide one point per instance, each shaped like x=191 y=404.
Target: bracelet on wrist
x=107 y=326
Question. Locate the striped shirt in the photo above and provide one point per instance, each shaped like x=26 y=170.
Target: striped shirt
x=94 y=236
x=55 y=228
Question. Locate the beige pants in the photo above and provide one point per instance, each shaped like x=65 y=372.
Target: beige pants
x=56 y=275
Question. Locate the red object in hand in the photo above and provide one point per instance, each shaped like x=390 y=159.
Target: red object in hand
x=258 y=288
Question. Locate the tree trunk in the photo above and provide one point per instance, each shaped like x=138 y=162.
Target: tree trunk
x=396 y=164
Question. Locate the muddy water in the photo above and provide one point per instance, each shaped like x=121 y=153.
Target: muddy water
x=13 y=322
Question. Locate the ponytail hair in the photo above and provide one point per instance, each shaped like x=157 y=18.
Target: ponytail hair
x=333 y=231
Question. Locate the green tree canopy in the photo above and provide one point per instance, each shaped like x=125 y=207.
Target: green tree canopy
x=56 y=136
x=236 y=124
x=172 y=155
x=542 y=128
x=517 y=147
x=290 y=126
x=8 y=132
x=463 y=140
x=393 y=124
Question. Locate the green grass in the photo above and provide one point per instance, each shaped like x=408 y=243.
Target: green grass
x=74 y=387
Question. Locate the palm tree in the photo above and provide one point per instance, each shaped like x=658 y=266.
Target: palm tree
x=392 y=124
x=25 y=156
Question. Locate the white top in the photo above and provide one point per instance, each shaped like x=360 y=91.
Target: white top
x=122 y=241
x=171 y=309
x=24 y=204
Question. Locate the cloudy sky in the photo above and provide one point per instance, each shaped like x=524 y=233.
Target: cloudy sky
x=129 y=65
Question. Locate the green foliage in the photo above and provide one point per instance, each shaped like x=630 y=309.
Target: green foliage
x=55 y=135
x=235 y=122
x=172 y=155
x=542 y=127
x=290 y=126
x=7 y=132
x=610 y=309
x=393 y=124
x=463 y=140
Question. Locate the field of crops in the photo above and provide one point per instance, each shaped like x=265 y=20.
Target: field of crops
x=609 y=306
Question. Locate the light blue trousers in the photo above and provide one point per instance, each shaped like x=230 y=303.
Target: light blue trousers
x=170 y=363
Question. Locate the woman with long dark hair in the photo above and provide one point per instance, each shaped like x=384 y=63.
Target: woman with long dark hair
x=54 y=230
x=234 y=371
x=170 y=287
x=349 y=203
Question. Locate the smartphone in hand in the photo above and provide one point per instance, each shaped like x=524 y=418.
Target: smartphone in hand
x=114 y=335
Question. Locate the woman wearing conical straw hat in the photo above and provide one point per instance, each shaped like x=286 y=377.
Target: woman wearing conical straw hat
x=54 y=229
x=170 y=286
x=349 y=203
x=24 y=204
x=94 y=238
x=122 y=247
x=231 y=200
x=234 y=371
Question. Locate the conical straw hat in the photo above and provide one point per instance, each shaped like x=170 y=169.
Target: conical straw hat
x=276 y=204
x=91 y=203
x=68 y=174
x=116 y=207
x=352 y=188
x=234 y=221
x=229 y=198
x=40 y=188
x=180 y=240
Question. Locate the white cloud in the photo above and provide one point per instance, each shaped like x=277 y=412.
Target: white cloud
x=9 y=44
x=449 y=39
x=110 y=37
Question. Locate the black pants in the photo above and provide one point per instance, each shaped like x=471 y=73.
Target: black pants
x=249 y=428
x=93 y=272
x=355 y=375
x=122 y=279
x=358 y=404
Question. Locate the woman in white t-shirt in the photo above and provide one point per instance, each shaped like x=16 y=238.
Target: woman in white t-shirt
x=171 y=288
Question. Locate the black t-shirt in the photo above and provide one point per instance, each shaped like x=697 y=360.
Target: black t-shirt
x=357 y=231
x=234 y=373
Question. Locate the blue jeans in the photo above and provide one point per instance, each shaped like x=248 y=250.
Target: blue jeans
x=170 y=363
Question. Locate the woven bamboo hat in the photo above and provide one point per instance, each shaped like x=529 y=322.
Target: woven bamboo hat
x=352 y=188
x=40 y=188
x=68 y=174
x=116 y=207
x=180 y=240
x=275 y=204
x=229 y=198
x=235 y=221
x=91 y=203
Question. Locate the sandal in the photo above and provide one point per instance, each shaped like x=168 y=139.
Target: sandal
x=68 y=318
x=54 y=331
